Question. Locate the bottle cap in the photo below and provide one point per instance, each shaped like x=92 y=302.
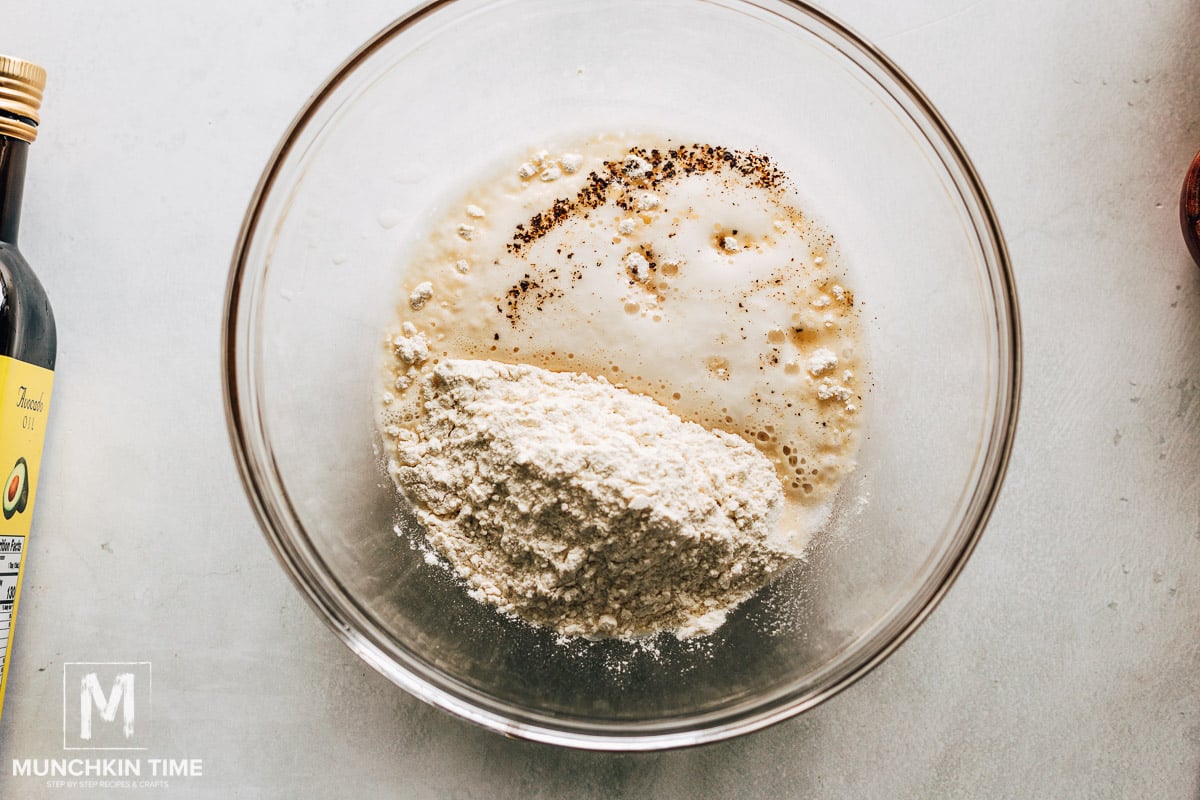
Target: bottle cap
x=21 y=85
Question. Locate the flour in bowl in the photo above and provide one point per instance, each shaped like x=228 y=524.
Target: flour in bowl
x=601 y=353
x=581 y=506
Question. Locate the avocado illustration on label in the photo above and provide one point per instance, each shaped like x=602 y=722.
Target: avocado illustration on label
x=16 y=489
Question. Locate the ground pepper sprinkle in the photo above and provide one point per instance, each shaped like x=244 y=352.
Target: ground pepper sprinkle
x=625 y=183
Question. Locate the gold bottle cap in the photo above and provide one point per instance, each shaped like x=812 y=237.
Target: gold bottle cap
x=21 y=85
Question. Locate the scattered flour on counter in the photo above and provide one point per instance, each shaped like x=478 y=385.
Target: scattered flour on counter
x=581 y=506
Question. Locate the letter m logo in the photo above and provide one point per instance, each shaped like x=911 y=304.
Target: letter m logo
x=91 y=695
x=106 y=705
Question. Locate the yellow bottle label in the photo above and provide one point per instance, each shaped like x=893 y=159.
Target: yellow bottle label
x=24 y=404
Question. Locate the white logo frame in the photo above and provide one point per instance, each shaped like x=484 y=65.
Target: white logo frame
x=121 y=691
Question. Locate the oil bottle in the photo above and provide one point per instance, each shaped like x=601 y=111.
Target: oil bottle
x=27 y=344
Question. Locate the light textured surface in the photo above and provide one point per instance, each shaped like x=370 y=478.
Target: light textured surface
x=1065 y=662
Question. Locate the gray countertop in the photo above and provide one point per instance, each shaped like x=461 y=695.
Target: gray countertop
x=1064 y=663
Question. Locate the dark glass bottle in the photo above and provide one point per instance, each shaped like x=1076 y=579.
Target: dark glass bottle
x=27 y=347
x=26 y=322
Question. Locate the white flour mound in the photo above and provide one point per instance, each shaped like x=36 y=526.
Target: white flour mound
x=578 y=505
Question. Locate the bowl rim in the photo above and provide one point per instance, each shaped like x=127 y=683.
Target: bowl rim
x=352 y=624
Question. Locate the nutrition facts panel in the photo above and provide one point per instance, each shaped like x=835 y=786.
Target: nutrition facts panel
x=12 y=548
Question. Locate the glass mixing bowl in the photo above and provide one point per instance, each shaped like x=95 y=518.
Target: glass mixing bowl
x=441 y=95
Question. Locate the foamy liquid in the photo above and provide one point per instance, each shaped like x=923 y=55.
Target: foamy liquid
x=684 y=273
